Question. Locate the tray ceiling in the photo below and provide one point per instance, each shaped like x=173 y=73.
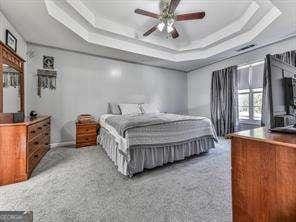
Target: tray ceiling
x=112 y=24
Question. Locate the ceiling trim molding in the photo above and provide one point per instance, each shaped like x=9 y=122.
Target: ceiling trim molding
x=83 y=11
x=104 y=24
x=61 y=16
x=226 y=31
x=239 y=54
x=56 y=12
x=106 y=57
x=110 y=26
x=237 y=41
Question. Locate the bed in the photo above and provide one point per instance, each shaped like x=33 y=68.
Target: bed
x=143 y=141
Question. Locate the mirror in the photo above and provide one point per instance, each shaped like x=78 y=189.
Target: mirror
x=11 y=89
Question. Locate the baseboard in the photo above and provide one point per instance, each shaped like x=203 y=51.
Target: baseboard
x=70 y=143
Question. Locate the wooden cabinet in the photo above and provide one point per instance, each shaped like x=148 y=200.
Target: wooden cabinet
x=86 y=134
x=22 y=146
x=263 y=176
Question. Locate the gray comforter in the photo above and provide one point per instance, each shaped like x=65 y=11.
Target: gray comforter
x=156 y=129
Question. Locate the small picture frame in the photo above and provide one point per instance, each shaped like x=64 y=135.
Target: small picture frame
x=48 y=62
x=11 y=40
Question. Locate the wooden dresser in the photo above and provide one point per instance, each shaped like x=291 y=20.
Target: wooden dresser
x=263 y=176
x=22 y=146
x=86 y=134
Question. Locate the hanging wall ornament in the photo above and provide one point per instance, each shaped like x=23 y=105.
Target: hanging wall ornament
x=46 y=80
x=46 y=76
x=48 y=62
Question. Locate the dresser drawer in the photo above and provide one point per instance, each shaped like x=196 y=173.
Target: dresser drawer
x=39 y=142
x=86 y=129
x=34 y=159
x=37 y=128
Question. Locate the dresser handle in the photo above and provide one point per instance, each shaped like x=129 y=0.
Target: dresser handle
x=33 y=131
x=36 y=143
x=45 y=125
x=36 y=155
x=46 y=134
x=40 y=128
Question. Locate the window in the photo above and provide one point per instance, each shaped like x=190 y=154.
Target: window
x=250 y=81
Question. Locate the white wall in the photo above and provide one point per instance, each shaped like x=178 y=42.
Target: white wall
x=85 y=84
x=21 y=43
x=199 y=81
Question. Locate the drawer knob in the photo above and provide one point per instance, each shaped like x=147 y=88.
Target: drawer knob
x=45 y=125
x=36 y=143
x=46 y=134
x=33 y=131
x=40 y=128
x=36 y=155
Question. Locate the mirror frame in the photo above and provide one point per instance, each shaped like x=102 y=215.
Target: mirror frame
x=9 y=57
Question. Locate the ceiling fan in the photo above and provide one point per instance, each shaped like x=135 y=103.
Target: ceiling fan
x=167 y=17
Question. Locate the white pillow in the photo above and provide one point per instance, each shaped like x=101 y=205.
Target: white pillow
x=129 y=108
x=149 y=108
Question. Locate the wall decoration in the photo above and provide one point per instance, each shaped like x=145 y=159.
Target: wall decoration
x=10 y=40
x=46 y=80
x=47 y=76
x=48 y=62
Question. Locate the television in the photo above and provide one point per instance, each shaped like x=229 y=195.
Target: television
x=290 y=94
x=282 y=89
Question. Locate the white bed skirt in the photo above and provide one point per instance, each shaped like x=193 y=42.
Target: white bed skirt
x=143 y=157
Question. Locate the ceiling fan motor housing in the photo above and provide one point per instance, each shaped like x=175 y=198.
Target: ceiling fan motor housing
x=164 y=5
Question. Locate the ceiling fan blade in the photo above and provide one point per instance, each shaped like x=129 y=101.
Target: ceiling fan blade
x=173 y=5
x=191 y=16
x=153 y=29
x=175 y=33
x=146 y=13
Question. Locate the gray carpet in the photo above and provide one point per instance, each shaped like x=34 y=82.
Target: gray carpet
x=83 y=185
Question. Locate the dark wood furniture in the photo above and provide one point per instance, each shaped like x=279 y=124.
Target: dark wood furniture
x=86 y=134
x=10 y=58
x=22 y=145
x=263 y=176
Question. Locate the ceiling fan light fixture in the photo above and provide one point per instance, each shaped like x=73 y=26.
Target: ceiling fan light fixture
x=167 y=17
x=161 y=26
x=170 y=28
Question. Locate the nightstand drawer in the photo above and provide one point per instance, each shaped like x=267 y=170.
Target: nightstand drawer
x=86 y=140
x=86 y=129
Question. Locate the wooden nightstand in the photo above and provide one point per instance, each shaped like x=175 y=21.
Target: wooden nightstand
x=86 y=134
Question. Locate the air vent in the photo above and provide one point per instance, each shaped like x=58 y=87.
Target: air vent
x=246 y=47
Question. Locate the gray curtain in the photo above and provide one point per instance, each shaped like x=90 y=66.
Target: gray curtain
x=224 y=100
x=288 y=57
